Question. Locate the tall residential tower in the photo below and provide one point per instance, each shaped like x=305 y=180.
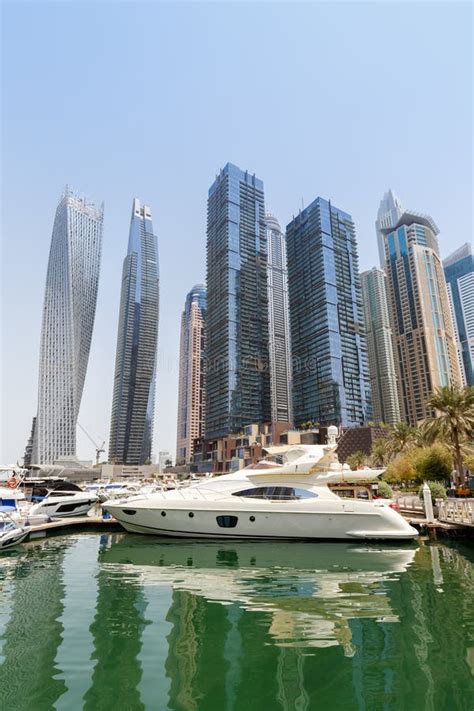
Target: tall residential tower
x=330 y=371
x=459 y=274
x=383 y=379
x=191 y=395
x=68 y=319
x=237 y=377
x=279 y=323
x=389 y=212
x=425 y=347
x=131 y=428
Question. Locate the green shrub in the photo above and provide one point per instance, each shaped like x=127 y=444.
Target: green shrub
x=437 y=490
x=433 y=463
x=401 y=469
x=384 y=490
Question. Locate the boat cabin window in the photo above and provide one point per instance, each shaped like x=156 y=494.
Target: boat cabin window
x=277 y=493
x=227 y=521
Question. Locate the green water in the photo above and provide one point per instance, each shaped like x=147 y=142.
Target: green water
x=122 y=622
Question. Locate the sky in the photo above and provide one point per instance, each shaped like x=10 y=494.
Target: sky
x=151 y=99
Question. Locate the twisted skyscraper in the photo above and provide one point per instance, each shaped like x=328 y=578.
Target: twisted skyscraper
x=68 y=319
x=131 y=427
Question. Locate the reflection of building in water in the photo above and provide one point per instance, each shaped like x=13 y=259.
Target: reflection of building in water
x=291 y=694
x=33 y=634
x=219 y=625
x=431 y=626
x=196 y=664
x=292 y=610
x=117 y=632
x=77 y=643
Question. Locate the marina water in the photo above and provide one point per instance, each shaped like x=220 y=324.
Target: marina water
x=129 y=622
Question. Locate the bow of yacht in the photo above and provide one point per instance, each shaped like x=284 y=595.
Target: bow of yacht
x=269 y=500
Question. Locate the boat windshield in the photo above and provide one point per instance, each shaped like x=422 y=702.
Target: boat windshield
x=276 y=493
x=7 y=526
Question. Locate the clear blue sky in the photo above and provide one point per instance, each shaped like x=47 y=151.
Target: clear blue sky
x=150 y=99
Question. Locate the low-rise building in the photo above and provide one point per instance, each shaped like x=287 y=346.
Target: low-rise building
x=236 y=451
x=358 y=439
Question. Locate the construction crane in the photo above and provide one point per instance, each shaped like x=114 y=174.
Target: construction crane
x=98 y=450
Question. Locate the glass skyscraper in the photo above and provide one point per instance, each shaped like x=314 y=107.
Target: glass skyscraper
x=131 y=429
x=383 y=379
x=329 y=353
x=237 y=376
x=191 y=394
x=389 y=212
x=459 y=274
x=68 y=319
x=279 y=323
x=425 y=347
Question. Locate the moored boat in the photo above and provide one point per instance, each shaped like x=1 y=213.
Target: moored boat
x=11 y=534
x=276 y=501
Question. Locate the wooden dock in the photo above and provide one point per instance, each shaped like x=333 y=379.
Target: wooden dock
x=63 y=525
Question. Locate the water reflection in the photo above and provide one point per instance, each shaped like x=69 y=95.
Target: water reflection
x=312 y=592
x=131 y=622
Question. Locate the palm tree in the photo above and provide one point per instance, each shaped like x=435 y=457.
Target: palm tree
x=401 y=437
x=454 y=421
x=381 y=452
x=422 y=436
x=356 y=460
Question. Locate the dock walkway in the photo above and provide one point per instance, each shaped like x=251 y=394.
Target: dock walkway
x=41 y=530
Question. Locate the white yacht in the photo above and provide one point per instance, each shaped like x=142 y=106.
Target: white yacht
x=11 y=534
x=267 y=501
x=64 y=504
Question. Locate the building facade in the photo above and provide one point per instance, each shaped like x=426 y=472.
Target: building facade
x=131 y=429
x=459 y=274
x=192 y=386
x=389 y=212
x=68 y=319
x=279 y=323
x=383 y=379
x=237 y=375
x=234 y=451
x=329 y=353
x=28 y=456
x=424 y=342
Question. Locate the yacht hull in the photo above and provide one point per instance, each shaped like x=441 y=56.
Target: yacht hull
x=384 y=524
x=13 y=538
x=64 y=507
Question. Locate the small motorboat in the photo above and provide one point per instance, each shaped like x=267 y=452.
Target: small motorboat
x=11 y=534
x=63 y=504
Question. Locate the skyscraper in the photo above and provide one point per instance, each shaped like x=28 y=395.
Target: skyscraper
x=237 y=376
x=425 y=347
x=191 y=395
x=459 y=274
x=383 y=379
x=68 y=319
x=131 y=428
x=279 y=323
x=329 y=353
x=390 y=211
